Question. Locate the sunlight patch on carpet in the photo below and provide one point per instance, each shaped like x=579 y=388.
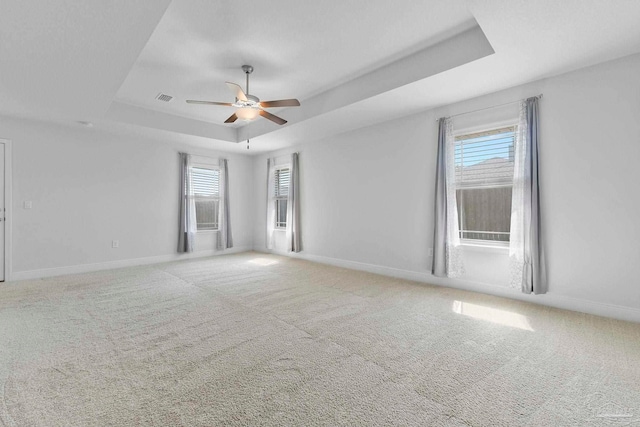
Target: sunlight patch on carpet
x=263 y=261
x=494 y=315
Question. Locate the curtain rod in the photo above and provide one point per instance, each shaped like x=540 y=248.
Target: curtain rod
x=204 y=155
x=489 y=108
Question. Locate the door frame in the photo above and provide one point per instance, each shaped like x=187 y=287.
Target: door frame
x=8 y=197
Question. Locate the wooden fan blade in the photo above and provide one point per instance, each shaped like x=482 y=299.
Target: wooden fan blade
x=191 y=101
x=273 y=118
x=231 y=118
x=280 y=103
x=237 y=90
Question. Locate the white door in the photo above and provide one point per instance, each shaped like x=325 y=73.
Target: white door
x=3 y=213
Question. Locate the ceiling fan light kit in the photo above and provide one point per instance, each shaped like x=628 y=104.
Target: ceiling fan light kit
x=247 y=113
x=249 y=106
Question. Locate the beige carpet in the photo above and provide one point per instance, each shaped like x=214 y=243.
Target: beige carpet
x=253 y=339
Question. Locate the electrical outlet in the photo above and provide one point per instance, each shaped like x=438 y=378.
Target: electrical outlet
x=115 y=243
x=431 y=252
x=28 y=204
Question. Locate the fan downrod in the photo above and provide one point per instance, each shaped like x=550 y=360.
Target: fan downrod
x=248 y=69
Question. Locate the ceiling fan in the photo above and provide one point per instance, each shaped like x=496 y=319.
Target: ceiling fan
x=250 y=106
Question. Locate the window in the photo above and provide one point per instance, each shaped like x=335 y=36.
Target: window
x=484 y=181
x=281 y=195
x=205 y=184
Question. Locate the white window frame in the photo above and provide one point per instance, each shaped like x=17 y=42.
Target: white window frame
x=480 y=242
x=204 y=164
x=276 y=198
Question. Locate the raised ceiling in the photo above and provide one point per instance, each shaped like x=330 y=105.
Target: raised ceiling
x=351 y=64
x=298 y=48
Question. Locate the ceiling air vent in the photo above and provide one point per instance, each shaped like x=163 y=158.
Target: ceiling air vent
x=164 y=97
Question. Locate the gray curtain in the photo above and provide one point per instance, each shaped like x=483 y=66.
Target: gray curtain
x=187 y=225
x=271 y=216
x=293 y=208
x=534 y=275
x=225 y=238
x=439 y=263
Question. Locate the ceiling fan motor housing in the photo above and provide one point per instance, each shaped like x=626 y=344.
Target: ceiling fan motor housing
x=251 y=102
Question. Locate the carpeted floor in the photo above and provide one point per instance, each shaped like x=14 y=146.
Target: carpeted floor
x=254 y=339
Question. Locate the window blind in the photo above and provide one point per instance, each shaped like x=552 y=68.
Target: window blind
x=485 y=159
x=205 y=182
x=282 y=182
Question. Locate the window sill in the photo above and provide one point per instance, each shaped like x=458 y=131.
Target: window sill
x=485 y=247
x=279 y=229
x=206 y=231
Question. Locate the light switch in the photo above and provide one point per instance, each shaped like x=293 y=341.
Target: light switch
x=28 y=204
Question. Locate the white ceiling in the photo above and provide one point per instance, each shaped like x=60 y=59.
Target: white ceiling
x=351 y=64
x=66 y=59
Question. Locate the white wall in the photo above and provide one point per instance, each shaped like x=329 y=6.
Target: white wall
x=367 y=195
x=89 y=187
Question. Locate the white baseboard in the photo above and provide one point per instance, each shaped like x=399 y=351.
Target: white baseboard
x=549 y=299
x=86 y=268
